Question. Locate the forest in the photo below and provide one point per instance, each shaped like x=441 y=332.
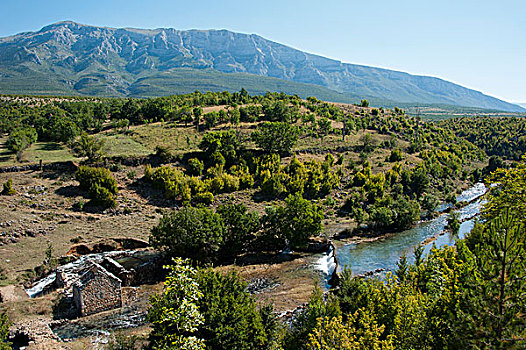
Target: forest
x=251 y=175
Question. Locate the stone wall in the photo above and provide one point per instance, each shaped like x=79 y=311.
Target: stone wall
x=67 y=165
x=99 y=293
x=129 y=296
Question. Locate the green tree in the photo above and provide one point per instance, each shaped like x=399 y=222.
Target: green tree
x=277 y=137
x=20 y=139
x=361 y=333
x=4 y=332
x=325 y=126
x=7 y=188
x=495 y=307
x=89 y=146
x=368 y=142
x=508 y=192
x=232 y=320
x=320 y=306
x=100 y=184
x=396 y=155
x=294 y=223
x=195 y=167
x=225 y=143
x=175 y=313
x=240 y=226
x=190 y=232
x=453 y=222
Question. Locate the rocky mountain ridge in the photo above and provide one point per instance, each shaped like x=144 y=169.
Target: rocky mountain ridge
x=68 y=57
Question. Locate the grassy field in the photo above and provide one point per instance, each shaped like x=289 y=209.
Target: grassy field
x=176 y=139
x=47 y=151
x=123 y=145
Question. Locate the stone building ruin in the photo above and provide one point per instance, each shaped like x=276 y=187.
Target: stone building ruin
x=97 y=290
x=102 y=281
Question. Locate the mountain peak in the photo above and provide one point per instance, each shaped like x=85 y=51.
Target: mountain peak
x=88 y=59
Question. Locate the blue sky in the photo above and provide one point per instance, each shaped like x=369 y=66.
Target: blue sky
x=478 y=44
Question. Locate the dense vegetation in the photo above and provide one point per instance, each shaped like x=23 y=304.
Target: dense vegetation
x=503 y=137
x=245 y=145
x=4 y=332
x=205 y=235
x=465 y=296
x=262 y=173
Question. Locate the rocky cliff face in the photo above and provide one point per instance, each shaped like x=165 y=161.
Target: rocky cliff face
x=88 y=57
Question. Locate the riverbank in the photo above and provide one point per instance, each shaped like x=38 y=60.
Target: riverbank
x=382 y=252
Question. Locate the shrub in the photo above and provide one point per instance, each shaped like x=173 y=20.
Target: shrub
x=190 y=232
x=204 y=198
x=232 y=319
x=396 y=155
x=8 y=188
x=102 y=196
x=240 y=226
x=224 y=143
x=277 y=137
x=21 y=139
x=294 y=223
x=100 y=184
x=4 y=331
x=195 y=167
x=89 y=146
x=164 y=154
x=90 y=176
x=148 y=172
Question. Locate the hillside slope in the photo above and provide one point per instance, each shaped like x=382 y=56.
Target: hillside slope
x=68 y=57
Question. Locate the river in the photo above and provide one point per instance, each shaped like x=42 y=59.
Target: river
x=384 y=253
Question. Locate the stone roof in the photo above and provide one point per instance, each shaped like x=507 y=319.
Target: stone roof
x=90 y=273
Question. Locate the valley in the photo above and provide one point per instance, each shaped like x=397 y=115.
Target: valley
x=366 y=172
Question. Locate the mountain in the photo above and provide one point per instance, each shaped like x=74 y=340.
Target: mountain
x=71 y=58
x=522 y=104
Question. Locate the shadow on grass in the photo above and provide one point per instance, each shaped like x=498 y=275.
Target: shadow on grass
x=154 y=196
x=70 y=191
x=5 y=158
x=50 y=146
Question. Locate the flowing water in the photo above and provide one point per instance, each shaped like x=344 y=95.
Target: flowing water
x=384 y=253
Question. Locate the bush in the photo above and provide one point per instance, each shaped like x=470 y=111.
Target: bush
x=203 y=307
x=276 y=137
x=89 y=146
x=4 y=331
x=195 y=167
x=102 y=196
x=225 y=143
x=204 y=198
x=148 y=172
x=100 y=184
x=396 y=155
x=190 y=232
x=164 y=154
x=396 y=215
x=8 y=188
x=20 y=139
x=90 y=176
x=294 y=223
x=231 y=316
x=240 y=227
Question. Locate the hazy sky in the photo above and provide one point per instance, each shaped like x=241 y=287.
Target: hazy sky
x=478 y=44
